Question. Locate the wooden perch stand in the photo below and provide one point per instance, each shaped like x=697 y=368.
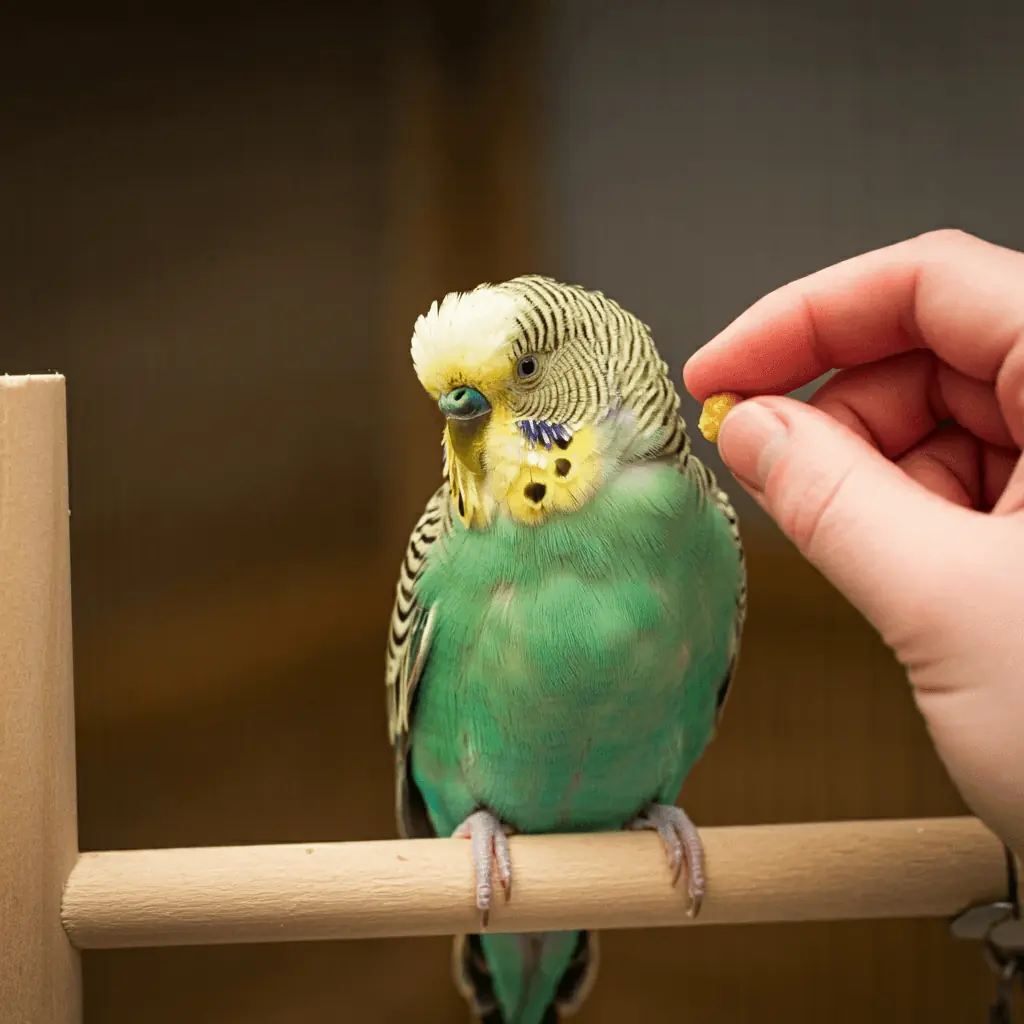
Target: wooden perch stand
x=53 y=899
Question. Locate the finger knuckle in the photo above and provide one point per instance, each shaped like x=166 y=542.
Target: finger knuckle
x=942 y=239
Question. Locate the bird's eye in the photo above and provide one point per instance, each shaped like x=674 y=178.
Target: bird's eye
x=526 y=367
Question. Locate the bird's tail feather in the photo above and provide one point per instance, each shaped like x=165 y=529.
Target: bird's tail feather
x=535 y=978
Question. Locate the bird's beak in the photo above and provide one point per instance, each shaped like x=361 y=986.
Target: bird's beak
x=463 y=404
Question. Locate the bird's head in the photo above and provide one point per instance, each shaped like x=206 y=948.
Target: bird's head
x=521 y=371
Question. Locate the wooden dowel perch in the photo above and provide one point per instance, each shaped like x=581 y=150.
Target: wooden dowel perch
x=39 y=970
x=806 y=872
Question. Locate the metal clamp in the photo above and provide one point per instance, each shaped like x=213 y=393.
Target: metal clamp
x=1000 y=928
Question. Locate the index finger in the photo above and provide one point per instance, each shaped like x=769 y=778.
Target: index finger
x=956 y=294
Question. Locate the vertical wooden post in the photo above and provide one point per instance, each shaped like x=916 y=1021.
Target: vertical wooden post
x=39 y=970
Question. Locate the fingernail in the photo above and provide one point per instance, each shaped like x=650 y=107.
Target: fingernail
x=751 y=440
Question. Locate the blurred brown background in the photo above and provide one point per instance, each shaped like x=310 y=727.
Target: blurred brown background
x=221 y=228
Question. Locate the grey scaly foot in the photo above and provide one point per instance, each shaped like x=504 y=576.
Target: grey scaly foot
x=488 y=841
x=683 y=844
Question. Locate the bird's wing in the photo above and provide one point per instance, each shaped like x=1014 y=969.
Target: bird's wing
x=408 y=649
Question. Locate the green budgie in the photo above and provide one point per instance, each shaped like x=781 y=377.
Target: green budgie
x=568 y=613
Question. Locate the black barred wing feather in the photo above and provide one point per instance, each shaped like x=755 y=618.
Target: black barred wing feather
x=708 y=487
x=408 y=650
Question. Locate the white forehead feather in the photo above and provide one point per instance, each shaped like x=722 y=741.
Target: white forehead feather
x=466 y=335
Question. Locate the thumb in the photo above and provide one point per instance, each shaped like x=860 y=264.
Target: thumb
x=883 y=539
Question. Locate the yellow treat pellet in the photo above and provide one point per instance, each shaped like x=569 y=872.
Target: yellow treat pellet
x=715 y=409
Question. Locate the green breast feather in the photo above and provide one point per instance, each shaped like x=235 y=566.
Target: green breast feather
x=575 y=665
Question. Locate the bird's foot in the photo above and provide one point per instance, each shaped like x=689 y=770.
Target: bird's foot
x=489 y=842
x=682 y=843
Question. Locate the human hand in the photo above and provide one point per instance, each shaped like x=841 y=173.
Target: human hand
x=902 y=479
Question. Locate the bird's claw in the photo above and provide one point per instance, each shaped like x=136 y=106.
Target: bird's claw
x=489 y=843
x=682 y=843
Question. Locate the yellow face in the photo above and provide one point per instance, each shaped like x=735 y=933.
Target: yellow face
x=465 y=357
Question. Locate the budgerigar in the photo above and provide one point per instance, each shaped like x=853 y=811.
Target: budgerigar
x=568 y=612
